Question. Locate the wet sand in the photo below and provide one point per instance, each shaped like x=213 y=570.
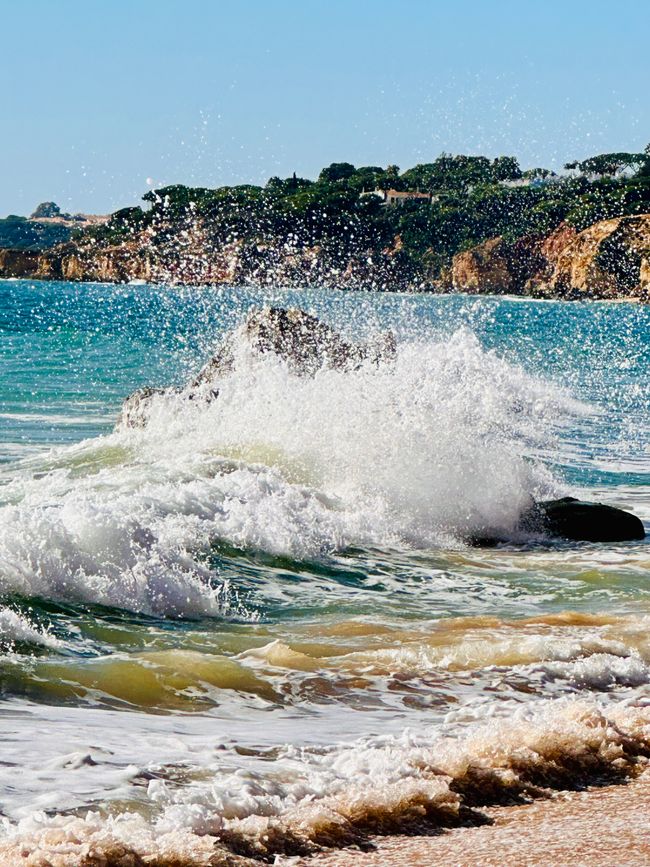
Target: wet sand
x=599 y=827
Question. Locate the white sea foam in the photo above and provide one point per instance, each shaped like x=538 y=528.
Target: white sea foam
x=478 y=649
x=16 y=627
x=434 y=441
x=337 y=795
x=54 y=418
x=600 y=671
x=425 y=451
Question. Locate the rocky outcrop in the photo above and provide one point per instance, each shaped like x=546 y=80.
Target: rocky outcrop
x=497 y=267
x=302 y=341
x=607 y=260
x=109 y=265
x=579 y=521
x=556 y=242
x=120 y=264
x=610 y=259
x=537 y=264
x=483 y=269
x=18 y=263
x=189 y=254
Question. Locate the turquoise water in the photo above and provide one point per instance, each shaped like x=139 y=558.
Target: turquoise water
x=284 y=567
x=71 y=352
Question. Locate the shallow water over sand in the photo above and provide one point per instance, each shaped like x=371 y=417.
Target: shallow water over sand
x=228 y=618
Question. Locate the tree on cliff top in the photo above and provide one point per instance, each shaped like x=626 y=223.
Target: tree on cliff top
x=459 y=172
x=336 y=172
x=538 y=173
x=46 y=209
x=603 y=165
x=506 y=169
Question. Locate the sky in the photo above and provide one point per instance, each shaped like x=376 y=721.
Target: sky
x=102 y=100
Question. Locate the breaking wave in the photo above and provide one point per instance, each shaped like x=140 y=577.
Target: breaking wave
x=445 y=443
x=16 y=629
x=309 y=530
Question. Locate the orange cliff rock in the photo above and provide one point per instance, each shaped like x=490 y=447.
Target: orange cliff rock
x=18 y=263
x=483 y=269
x=610 y=259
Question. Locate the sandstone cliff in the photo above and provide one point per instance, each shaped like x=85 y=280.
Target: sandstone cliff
x=607 y=260
x=198 y=263
x=483 y=269
x=610 y=259
x=18 y=263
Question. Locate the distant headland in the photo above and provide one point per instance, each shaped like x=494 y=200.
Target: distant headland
x=461 y=223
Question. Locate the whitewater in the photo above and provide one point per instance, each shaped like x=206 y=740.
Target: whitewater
x=254 y=626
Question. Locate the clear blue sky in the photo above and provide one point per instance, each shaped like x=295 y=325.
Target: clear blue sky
x=100 y=98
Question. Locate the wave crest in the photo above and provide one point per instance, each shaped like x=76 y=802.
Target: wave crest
x=437 y=446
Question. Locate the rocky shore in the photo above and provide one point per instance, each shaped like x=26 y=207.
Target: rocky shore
x=610 y=260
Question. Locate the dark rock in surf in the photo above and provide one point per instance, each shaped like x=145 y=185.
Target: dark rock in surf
x=578 y=521
x=301 y=340
x=137 y=407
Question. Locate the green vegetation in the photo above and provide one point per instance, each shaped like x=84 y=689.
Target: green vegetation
x=46 y=209
x=473 y=198
x=608 y=165
x=19 y=233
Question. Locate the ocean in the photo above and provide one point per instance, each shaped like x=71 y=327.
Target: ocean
x=254 y=627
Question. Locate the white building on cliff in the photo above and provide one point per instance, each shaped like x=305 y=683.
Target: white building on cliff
x=397 y=197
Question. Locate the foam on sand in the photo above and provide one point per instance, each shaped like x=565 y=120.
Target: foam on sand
x=339 y=796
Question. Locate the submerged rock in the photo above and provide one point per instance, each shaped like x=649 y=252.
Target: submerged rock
x=579 y=521
x=301 y=340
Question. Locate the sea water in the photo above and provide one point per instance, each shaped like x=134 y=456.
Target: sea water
x=255 y=624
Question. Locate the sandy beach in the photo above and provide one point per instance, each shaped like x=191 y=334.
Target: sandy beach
x=600 y=827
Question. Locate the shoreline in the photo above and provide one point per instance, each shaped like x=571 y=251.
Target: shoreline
x=415 y=290
x=607 y=259
x=600 y=826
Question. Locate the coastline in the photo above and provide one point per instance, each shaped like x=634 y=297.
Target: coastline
x=431 y=290
x=608 y=260
x=597 y=826
x=325 y=485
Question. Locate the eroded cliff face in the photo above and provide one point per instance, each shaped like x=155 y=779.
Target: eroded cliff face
x=610 y=259
x=119 y=264
x=18 y=263
x=483 y=269
x=199 y=263
x=607 y=260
